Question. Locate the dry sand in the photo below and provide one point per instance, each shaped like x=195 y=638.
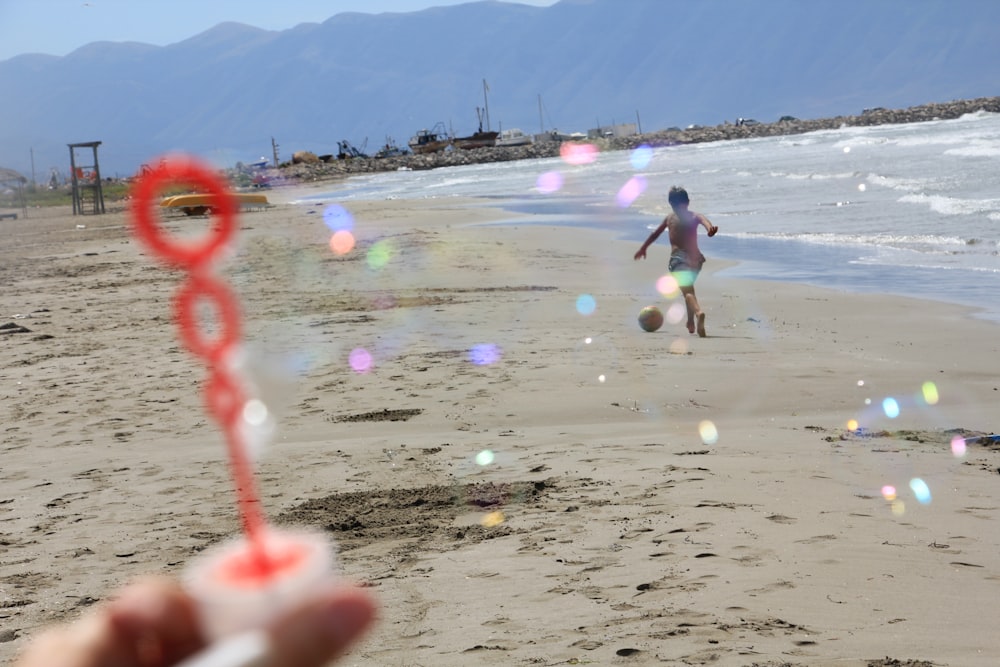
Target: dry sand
x=622 y=534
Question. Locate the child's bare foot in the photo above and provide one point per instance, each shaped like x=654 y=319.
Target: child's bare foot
x=701 y=324
x=690 y=326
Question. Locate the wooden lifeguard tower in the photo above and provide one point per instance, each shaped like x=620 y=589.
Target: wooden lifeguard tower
x=88 y=195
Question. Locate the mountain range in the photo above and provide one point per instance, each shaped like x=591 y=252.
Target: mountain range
x=577 y=64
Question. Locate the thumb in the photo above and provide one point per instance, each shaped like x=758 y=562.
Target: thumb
x=323 y=629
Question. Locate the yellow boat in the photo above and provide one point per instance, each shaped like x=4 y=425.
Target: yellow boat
x=200 y=204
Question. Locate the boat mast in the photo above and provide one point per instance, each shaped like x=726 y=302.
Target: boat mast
x=486 y=101
x=541 y=122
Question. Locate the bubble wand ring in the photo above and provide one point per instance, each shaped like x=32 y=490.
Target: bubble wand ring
x=223 y=395
x=183 y=170
x=242 y=584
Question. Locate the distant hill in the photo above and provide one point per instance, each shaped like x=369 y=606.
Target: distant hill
x=576 y=64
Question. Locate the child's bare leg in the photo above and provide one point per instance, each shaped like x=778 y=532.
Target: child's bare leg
x=693 y=312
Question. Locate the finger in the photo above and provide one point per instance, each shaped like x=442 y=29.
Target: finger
x=157 y=618
x=323 y=629
x=90 y=642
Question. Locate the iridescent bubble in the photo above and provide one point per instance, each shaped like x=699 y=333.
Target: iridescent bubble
x=342 y=242
x=360 y=360
x=868 y=401
x=889 y=492
x=484 y=354
x=667 y=286
x=629 y=192
x=861 y=383
x=255 y=413
x=890 y=407
x=709 y=434
x=585 y=304
x=640 y=157
x=601 y=378
x=852 y=424
x=930 y=393
x=958 y=446
x=492 y=519
x=862 y=187
x=485 y=457
x=920 y=490
x=847 y=149
x=676 y=312
x=379 y=254
x=549 y=182
x=338 y=218
x=577 y=154
x=898 y=507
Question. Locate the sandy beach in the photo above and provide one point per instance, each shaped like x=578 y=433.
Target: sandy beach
x=647 y=498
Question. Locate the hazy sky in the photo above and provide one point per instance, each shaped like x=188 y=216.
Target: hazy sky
x=57 y=27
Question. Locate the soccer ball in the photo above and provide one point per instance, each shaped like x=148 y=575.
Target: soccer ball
x=650 y=318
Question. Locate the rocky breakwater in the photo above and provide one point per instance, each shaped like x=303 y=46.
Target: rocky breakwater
x=308 y=167
x=791 y=126
x=312 y=168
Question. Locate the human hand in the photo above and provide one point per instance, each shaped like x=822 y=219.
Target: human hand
x=712 y=230
x=641 y=254
x=152 y=623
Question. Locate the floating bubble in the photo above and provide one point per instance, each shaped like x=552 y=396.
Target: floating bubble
x=342 y=242
x=868 y=401
x=577 y=154
x=709 y=434
x=890 y=407
x=379 y=254
x=862 y=187
x=889 y=492
x=629 y=192
x=898 y=507
x=338 y=218
x=667 y=286
x=585 y=304
x=847 y=149
x=685 y=278
x=360 y=360
x=492 y=519
x=861 y=383
x=930 y=393
x=549 y=182
x=852 y=424
x=485 y=457
x=920 y=490
x=588 y=340
x=641 y=157
x=958 y=446
x=255 y=413
x=678 y=346
x=601 y=378
x=676 y=312
x=484 y=354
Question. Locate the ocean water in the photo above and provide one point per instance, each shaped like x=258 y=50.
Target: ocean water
x=911 y=210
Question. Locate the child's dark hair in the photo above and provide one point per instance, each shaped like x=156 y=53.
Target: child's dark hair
x=678 y=195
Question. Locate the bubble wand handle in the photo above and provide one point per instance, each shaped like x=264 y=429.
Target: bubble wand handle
x=223 y=393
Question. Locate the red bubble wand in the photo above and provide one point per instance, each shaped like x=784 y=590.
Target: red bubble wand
x=250 y=581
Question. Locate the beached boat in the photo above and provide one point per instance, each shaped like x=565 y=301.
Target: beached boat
x=200 y=204
x=430 y=141
x=513 y=137
x=480 y=138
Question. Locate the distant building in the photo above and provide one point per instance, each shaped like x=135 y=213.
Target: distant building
x=609 y=131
